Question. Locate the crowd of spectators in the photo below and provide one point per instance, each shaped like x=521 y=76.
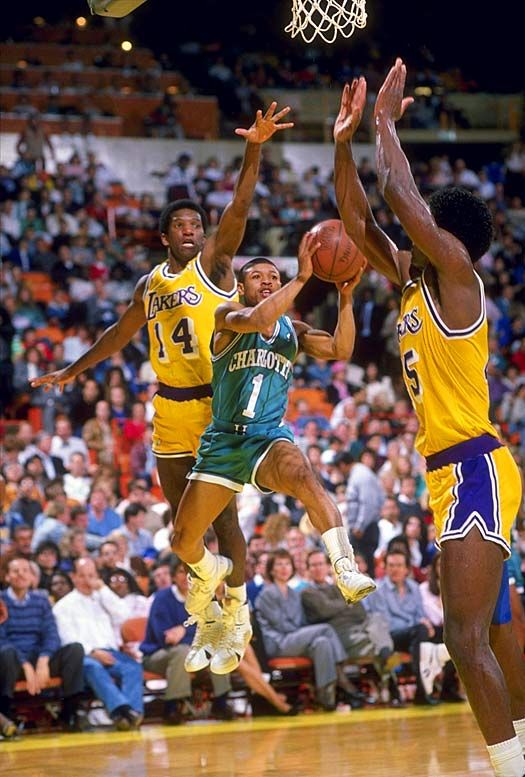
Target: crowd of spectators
x=81 y=500
x=236 y=77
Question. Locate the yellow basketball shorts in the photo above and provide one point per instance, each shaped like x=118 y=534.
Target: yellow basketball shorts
x=482 y=491
x=177 y=426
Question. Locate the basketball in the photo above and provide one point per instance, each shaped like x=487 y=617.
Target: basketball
x=337 y=259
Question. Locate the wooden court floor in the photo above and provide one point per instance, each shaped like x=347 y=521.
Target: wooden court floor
x=436 y=742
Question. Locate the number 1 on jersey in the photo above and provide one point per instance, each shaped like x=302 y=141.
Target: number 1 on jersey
x=249 y=411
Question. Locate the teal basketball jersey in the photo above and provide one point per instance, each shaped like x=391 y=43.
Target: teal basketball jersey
x=252 y=375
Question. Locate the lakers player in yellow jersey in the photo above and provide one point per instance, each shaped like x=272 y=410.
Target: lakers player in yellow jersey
x=177 y=301
x=473 y=481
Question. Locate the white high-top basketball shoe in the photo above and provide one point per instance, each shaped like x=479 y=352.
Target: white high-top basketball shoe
x=236 y=633
x=201 y=592
x=353 y=584
x=207 y=637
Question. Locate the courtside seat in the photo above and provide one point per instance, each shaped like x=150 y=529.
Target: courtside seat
x=53 y=682
x=134 y=630
x=285 y=663
x=294 y=676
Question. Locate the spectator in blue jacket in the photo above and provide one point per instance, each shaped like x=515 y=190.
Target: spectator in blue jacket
x=30 y=645
x=166 y=644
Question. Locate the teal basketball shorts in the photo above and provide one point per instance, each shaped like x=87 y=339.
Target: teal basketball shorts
x=232 y=460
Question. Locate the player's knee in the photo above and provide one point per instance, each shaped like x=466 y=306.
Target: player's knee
x=182 y=541
x=305 y=484
x=465 y=639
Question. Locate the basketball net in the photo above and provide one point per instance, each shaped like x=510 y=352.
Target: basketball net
x=326 y=18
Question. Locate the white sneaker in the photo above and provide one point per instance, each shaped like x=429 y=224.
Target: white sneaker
x=429 y=665
x=353 y=584
x=201 y=592
x=236 y=633
x=206 y=639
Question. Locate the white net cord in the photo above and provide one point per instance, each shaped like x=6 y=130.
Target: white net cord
x=326 y=18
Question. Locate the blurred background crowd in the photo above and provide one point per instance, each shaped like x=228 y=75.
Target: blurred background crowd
x=78 y=477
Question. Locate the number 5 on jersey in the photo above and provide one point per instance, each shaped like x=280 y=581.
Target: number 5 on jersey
x=182 y=335
x=413 y=382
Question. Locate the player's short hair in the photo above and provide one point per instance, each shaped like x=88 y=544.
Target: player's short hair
x=464 y=215
x=250 y=263
x=174 y=206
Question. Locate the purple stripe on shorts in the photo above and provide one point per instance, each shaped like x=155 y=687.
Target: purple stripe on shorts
x=476 y=496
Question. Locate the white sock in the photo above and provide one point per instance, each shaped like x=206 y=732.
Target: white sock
x=519 y=728
x=442 y=654
x=237 y=592
x=337 y=544
x=506 y=758
x=205 y=568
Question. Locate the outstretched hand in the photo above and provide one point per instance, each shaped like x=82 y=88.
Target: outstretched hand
x=346 y=288
x=58 y=378
x=351 y=110
x=265 y=126
x=309 y=245
x=390 y=103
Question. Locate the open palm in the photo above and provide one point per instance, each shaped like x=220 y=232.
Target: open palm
x=351 y=110
x=265 y=126
x=390 y=102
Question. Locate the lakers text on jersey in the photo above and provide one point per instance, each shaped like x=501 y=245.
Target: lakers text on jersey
x=180 y=311
x=472 y=478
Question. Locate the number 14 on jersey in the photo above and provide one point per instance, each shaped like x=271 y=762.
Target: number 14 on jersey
x=182 y=335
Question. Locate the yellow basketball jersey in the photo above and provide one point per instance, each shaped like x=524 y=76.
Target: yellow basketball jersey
x=444 y=371
x=180 y=310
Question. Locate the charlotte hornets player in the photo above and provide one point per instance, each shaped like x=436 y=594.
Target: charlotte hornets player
x=473 y=481
x=254 y=348
x=177 y=301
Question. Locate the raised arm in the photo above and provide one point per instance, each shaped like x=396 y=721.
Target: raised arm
x=340 y=345
x=352 y=202
x=220 y=248
x=233 y=317
x=448 y=255
x=112 y=340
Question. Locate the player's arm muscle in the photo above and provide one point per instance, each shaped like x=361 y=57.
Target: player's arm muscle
x=322 y=345
x=221 y=247
x=358 y=219
x=117 y=335
x=445 y=252
x=237 y=318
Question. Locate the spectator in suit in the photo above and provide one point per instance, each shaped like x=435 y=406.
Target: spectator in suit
x=361 y=633
x=30 y=645
x=53 y=465
x=369 y=317
x=64 y=443
x=285 y=631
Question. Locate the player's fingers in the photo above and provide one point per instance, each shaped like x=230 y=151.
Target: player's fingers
x=241 y=131
x=407 y=101
x=284 y=126
x=258 y=116
x=282 y=113
x=271 y=109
